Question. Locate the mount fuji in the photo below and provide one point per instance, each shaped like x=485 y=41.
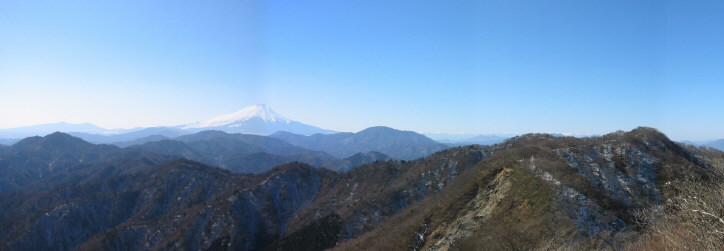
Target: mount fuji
x=255 y=119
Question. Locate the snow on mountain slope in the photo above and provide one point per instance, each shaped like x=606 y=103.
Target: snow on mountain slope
x=237 y=118
x=256 y=119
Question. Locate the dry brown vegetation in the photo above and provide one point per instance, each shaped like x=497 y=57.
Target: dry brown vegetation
x=689 y=214
x=527 y=199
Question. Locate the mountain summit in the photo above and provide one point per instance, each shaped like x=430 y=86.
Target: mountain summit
x=255 y=119
x=260 y=111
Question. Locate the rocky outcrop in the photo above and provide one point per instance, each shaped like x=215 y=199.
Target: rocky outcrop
x=538 y=192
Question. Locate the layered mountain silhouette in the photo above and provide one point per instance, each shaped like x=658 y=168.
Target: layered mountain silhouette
x=404 y=145
x=624 y=190
x=246 y=153
x=466 y=139
x=129 y=138
x=256 y=119
x=45 y=129
x=37 y=159
x=59 y=158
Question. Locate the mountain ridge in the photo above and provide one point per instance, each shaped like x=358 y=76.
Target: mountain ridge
x=622 y=190
x=256 y=119
x=406 y=145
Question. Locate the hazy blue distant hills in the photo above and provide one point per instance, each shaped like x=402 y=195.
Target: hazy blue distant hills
x=218 y=142
x=719 y=144
x=8 y=142
x=460 y=140
x=404 y=145
x=59 y=158
x=129 y=136
x=256 y=119
x=452 y=139
x=88 y=132
x=140 y=141
x=245 y=153
x=45 y=129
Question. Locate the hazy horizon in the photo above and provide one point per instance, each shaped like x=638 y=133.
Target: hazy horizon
x=583 y=68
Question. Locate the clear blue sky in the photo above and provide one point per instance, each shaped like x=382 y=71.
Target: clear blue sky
x=580 y=67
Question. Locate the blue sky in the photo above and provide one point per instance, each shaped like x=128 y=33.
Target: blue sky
x=579 y=67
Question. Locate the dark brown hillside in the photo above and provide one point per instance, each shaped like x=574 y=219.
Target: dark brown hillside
x=366 y=196
x=538 y=191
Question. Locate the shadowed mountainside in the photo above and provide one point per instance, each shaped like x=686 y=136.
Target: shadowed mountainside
x=625 y=190
x=246 y=153
x=59 y=158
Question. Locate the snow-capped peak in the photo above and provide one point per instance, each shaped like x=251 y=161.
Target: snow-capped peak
x=261 y=111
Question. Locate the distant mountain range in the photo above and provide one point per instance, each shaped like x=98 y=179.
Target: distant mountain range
x=246 y=153
x=45 y=129
x=49 y=161
x=257 y=119
x=225 y=147
x=36 y=158
x=719 y=144
x=260 y=119
x=136 y=135
x=404 y=145
x=468 y=139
